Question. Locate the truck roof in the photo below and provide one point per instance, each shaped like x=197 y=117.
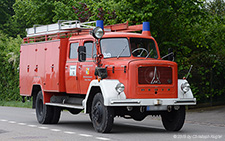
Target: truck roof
x=113 y=35
x=77 y=30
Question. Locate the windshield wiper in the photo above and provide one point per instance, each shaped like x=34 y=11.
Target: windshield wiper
x=121 y=51
x=149 y=54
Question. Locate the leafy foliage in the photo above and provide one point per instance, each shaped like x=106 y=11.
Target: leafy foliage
x=6 y=12
x=9 y=63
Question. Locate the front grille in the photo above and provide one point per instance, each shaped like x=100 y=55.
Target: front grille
x=155 y=75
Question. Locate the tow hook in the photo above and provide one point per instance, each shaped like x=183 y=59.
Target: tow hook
x=129 y=108
x=142 y=109
x=169 y=108
x=176 y=108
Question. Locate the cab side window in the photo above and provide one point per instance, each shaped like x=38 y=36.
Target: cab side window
x=90 y=49
x=73 y=50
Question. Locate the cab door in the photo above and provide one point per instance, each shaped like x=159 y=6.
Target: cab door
x=71 y=69
x=87 y=68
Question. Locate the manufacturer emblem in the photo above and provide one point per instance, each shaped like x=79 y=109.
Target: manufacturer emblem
x=156 y=76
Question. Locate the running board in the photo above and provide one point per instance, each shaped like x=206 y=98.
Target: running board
x=65 y=105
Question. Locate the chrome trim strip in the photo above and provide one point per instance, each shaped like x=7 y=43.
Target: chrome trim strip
x=65 y=105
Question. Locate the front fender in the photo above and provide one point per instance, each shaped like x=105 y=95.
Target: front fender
x=181 y=94
x=108 y=91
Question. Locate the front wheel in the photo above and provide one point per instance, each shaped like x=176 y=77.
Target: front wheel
x=102 y=116
x=174 y=120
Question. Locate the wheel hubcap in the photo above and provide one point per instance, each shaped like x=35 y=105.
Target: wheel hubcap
x=97 y=112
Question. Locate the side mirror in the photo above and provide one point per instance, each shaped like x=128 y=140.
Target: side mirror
x=81 y=53
x=171 y=54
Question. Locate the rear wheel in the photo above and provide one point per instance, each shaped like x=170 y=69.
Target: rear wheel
x=174 y=120
x=46 y=114
x=56 y=115
x=102 y=116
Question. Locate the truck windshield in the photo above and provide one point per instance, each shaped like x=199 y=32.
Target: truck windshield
x=115 y=47
x=119 y=47
x=141 y=47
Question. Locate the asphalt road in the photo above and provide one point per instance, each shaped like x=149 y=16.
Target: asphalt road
x=21 y=124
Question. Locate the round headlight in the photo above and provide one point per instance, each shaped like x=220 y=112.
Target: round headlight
x=98 y=32
x=120 y=87
x=185 y=87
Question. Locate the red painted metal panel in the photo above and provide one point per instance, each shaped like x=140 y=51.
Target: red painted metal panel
x=137 y=90
x=43 y=63
x=27 y=68
x=51 y=65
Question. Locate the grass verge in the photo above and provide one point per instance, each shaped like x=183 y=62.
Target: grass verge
x=27 y=104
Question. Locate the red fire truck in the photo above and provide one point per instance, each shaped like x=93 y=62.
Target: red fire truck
x=104 y=71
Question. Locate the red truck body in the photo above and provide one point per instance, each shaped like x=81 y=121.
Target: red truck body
x=53 y=74
x=47 y=64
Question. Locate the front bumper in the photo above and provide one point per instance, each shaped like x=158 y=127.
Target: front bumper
x=152 y=102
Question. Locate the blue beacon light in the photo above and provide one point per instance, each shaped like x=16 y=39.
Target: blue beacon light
x=146 y=28
x=99 y=23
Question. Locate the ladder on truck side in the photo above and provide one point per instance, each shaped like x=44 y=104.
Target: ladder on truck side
x=65 y=29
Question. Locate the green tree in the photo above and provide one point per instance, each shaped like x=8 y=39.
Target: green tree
x=31 y=12
x=6 y=13
x=194 y=29
x=9 y=63
x=210 y=61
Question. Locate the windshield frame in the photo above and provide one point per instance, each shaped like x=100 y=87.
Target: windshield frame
x=129 y=43
x=128 y=47
x=147 y=56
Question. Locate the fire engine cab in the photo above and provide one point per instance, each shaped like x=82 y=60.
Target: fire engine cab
x=104 y=71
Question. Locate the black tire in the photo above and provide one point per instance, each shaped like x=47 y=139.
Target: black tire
x=174 y=120
x=46 y=114
x=102 y=116
x=90 y=115
x=56 y=115
x=43 y=112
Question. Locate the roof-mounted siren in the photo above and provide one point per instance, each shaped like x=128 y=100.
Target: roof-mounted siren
x=146 y=29
x=98 y=32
